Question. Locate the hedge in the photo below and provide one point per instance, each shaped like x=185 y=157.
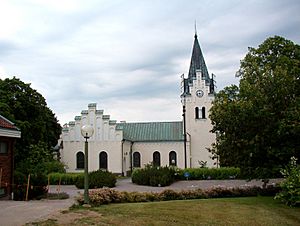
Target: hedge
x=65 y=178
x=222 y=173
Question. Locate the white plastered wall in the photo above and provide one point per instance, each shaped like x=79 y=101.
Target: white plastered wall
x=198 y=135
x=146 y=149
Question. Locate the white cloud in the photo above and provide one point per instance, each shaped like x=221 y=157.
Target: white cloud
x=123 y=54
x=10 y=20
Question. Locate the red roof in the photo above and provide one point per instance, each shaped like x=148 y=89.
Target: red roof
x=5 y=123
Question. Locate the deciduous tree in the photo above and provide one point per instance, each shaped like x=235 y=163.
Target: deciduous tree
x=29 y=111
x=258 y=123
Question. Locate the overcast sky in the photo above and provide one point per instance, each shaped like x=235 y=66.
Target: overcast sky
x=127 y=56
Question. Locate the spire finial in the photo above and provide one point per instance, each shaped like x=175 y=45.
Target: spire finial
x=195 y=29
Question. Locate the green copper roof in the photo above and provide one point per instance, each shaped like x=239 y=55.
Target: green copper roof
x=152 y=131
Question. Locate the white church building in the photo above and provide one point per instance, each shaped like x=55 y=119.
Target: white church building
x=121 y=146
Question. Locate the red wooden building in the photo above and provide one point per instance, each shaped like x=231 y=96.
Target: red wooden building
x=8 y=134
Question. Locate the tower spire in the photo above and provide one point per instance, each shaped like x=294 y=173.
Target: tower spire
x=197 y=60
x=197 y=64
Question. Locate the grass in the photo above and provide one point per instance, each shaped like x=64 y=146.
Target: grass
x=226 y=211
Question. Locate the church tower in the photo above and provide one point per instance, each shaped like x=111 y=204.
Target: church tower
x=197 y=96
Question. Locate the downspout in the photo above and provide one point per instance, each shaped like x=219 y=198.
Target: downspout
x=12 y=168
x=184 y=136
x=131 y=157
x=190 y=147
x=122 y=156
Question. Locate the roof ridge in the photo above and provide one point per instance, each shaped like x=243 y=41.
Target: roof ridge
x=7 y=124
x=149 y=122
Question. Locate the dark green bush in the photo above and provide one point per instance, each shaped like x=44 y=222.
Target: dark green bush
x=290 y=193
x=37 y=185
x=210 y=173
x=19 y=189
x=97 y=179
x=38 y=164
x=154 y=176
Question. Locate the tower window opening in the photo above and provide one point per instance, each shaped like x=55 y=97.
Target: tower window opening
x=196 y=113
x=203 y=112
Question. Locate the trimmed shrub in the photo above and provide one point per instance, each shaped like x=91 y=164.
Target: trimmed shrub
x=210 y=173
x=97 y=179
x=105 y=195
x=154 y=176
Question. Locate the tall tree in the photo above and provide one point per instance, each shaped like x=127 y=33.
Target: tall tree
x=258 y=123
x=28 y=110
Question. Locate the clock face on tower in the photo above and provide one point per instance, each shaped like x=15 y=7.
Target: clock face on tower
x=199 y=93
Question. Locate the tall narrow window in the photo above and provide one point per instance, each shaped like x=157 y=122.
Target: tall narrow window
x=136 y=159
x=80 y=160
x=196 y=112
x=156 y=158
x=203 y=112
x=172 y=158
x=103 y=160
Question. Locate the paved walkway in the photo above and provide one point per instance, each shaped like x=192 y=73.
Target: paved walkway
x=127 y=185
x=16 y=213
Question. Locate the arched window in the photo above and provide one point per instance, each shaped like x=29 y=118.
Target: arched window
x=80 y=160
x=103 y=160
x=203 y=112
x=172 y=158
x=136 y=159
x=196 y=112
x=156 y=158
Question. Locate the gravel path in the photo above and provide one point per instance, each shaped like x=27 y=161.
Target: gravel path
x=15 y=213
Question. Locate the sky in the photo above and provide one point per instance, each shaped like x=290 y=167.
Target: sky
x=128 y=56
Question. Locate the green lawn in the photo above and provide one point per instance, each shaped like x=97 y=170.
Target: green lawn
x=226 y=211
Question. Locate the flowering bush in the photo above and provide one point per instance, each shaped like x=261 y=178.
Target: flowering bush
x=290 y=193
x=105 y=195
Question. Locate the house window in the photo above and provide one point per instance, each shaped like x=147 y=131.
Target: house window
x=196 y=112
x=156 y=158
x=80 y=160
x=103 y=160
x=136 y=159
x=3 y=147
x=172 y=158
